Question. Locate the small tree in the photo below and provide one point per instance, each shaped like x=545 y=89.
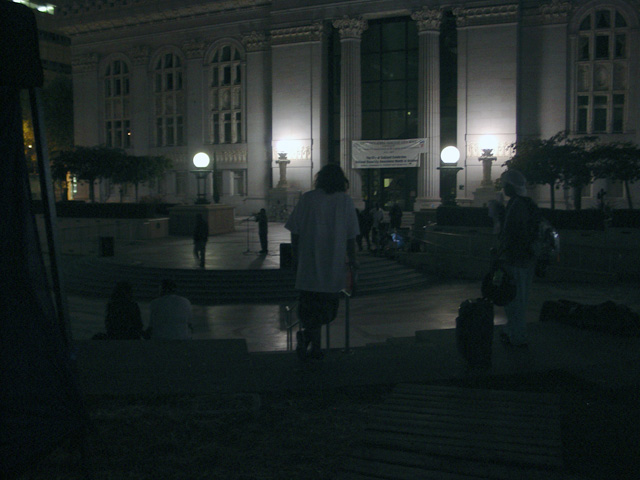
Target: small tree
x=139 y=169
x=618 y=161
x=87 y=163
x=558 y=159
x=574 y=162
x=537 y=160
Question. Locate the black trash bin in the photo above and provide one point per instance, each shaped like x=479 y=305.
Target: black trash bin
x=286 y=260
x=107 y=246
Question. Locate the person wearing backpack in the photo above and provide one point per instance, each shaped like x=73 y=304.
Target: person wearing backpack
x=516 y=254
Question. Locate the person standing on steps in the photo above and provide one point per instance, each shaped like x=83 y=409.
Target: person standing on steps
x=377 y=217
x=516 y=253
x=395 y=216
x=323 y=229
x=200 y=238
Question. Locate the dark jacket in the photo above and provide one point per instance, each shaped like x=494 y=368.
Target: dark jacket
x=515 y=237
x=123 y=321
x=201 y=232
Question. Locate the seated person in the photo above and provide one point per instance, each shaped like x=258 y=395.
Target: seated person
x=123 y=321
x=170 y=315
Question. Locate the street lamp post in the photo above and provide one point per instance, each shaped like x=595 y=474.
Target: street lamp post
x=201 y=162
x=448 y=175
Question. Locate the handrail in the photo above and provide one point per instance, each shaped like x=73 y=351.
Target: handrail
x=290 y=325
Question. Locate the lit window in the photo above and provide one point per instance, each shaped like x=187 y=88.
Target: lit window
x=602 y=72
x=225 y=95
x=168 y=100
x=117 y=124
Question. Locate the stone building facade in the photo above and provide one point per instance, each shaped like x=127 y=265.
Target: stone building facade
x=249 y=80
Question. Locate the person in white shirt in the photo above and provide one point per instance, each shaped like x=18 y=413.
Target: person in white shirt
x=170 y=315
x=323 y=229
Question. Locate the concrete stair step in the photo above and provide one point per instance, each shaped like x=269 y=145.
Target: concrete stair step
x=96 y=276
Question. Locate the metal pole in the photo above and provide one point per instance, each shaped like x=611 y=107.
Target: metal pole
x=346 y=322
x=48 y=201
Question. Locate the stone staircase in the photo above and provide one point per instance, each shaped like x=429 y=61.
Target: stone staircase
x=96 y=276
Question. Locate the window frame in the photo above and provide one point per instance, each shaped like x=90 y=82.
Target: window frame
x=225 y=78
x=117 y=103
x=167 y=75
x=601 y=91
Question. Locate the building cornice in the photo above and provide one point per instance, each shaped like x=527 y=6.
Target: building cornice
x=84 y=63
x=140 y=55
x=307 y=33
x=477 y=16
x=350 y=28
x=194 y=48
x=255 y=42
x=98 y=15
x=428 y=19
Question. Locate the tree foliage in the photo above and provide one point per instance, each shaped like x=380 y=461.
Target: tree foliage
x=87 y=164
x=558 y=160
x=619 y=161
x=139 y=169
x=95 y=163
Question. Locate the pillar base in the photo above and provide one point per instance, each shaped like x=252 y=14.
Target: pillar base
x=483 y=195
x=182 y=218
x=426 y=203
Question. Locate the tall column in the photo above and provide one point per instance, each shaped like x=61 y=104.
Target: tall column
x=258 y=108
x=350 y=98
x=428 y=21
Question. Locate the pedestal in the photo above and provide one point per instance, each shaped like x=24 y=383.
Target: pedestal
x=182 y=218
x=486 y=191
x=424 y=203
x=448 y=184
x=280 y=202
x=482 y=195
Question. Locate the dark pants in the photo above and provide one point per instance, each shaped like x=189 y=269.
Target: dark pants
x=314 y=310
x=199 y=250
x=264 y=244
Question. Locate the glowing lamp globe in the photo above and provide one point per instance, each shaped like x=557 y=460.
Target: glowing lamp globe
x=450 y=155
x=201 y=160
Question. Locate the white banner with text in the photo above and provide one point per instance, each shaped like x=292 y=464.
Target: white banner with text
x=388 y=153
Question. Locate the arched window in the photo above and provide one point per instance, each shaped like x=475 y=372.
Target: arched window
x=117 y=105
x=168 y=100
x=602 y=67
x=225 y=95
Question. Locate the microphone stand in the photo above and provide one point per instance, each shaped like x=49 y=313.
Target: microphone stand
x=248 y=250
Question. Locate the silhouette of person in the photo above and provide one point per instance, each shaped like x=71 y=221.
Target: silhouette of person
x=263 y=230
x=395 y=216
x=170 y=315
x=323 y=228
x=200 y=238
x=377 y=217
x=123 y=320
x=516 y=253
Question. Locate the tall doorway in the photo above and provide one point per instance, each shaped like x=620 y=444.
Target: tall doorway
x=386 y=186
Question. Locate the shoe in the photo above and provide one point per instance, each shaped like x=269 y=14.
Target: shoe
x=301 y=345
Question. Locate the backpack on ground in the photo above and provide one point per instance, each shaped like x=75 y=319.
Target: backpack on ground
x=545 y=240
